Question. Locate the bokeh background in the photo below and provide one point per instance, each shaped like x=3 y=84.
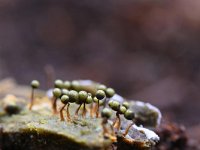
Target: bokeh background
x=145 y=49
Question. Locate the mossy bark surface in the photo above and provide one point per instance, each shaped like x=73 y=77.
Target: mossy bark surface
x=40 y=129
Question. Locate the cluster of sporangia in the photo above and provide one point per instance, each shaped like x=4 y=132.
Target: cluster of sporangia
x=69 y=92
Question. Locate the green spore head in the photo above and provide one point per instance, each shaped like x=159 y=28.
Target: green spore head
x=65 y=92
x=89 y=99
x=114 y=105
x=129 y=115
x=67 y=85
x=75 y=85
x=101 y=87
x=101 y=103
x=106 y=113
x=57 y=92
x=110 y=92
x=73 y=96
x=125 y=104
x=122 y=109
x=35 y=84
x=58 y=84
x=83 y=96
x=95 y=100
x=110 y=103
x=100 y=94
x=65 y=99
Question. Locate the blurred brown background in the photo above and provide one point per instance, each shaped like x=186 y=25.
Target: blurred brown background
x=147 y=50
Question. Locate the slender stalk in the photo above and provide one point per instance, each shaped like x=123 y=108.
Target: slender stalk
x=84 y=110
x=127 y=129
x=61 y=113
x=91 y=110
x=94 y=109
x=116 y=119
x=54 y=106
x=119 y=122
x=68 y=114
x=112 y=129
x=97 y=112
x=77 y=110
x=105 y=130
x=32 y=99
x=114 y=122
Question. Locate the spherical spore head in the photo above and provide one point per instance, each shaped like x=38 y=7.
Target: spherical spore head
x=110 y=103
x=65 y=92
x=122 y=109
x=89 y=99
x=100 y=94
x=95 y=100
x=58 y=84
x=110 y=92
x=67 y=85
x=114 y=105
x=83 y=96
x=65 y=99
x=106 y=112
x=57 y=92
x=125 y=104
x=101 y=87
x=101 y=103
x=75 y=85
x=129 y=115
x=73 y=96
x=35 y=84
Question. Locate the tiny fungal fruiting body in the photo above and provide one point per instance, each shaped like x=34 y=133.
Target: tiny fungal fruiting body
x=83 y=95
x=58 y=84
x=105 y=114
x=73 y=97
x=34 y=84
x=67 y=85
x=100 y=95
x=89 y=100
x=64 y=100
x=129 y=115
x=115 y=105
x=56 y=94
